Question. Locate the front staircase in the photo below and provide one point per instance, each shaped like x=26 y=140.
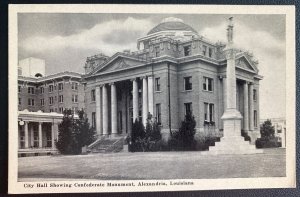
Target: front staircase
x=107 y=145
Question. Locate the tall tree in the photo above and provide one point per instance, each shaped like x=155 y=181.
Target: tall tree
x=267 y=130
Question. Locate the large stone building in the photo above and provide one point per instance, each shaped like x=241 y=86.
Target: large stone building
x=41 y=102
x=174 y=71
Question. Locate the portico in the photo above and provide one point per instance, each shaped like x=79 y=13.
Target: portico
x=38 y=132
x=123 y=102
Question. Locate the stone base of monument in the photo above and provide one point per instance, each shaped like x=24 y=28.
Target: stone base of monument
x=232 y=142
x=232 y=145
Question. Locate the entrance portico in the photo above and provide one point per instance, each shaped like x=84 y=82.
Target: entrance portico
x=38 y=132
x=122 y=103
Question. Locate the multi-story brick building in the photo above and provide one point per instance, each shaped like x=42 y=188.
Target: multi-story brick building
x=174 y=71
x=41 y=102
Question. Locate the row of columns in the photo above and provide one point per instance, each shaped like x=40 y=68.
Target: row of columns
x=248 y=117
x=102 y=110
x=40 y=136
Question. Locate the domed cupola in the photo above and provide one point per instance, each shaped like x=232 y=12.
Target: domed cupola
x=171 y=24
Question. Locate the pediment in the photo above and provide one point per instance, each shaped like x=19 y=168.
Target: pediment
x=243 y=63
x=119 y=63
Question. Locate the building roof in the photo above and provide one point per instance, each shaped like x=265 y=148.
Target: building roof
x=171 y=24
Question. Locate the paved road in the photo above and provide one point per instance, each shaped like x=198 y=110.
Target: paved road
x=157 y=165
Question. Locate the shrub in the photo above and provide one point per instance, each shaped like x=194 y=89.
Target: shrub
x=267 y=143
x=184 y=138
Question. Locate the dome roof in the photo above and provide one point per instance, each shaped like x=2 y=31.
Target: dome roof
x=171 y=24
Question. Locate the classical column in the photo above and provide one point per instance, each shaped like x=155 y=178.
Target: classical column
x=251 y=112
x=105 y=110
x=40 y=135
x=135 y=99
x=98 y=111
x=114 y=115
x=52 y=136
x=150 y=94
x=26 y=135
x=224 y=93
x=145 y=100
x=246 y=108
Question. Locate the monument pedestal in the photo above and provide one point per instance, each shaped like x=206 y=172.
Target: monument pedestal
x=232 y=142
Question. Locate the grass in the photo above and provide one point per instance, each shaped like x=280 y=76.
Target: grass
x=155 y=165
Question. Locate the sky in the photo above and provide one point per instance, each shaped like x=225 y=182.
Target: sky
x=65 y=40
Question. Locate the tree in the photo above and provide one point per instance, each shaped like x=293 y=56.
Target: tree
x=152 y=135
x=267 y=130
x=184 y=138
x=137 y=134
x=73 y=133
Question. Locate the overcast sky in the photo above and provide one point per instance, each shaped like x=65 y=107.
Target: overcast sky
x=65 y=40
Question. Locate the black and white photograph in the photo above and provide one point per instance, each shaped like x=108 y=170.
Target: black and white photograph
x=120 y=98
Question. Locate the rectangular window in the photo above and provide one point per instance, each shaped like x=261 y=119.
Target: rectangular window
x=188 y=83
x=209 y=112
x=42 y=90
x=93 y=95
x=75 y=110
x=210 y=52
x=30 y=90
x=94 y=120
x=31 y=102
x=61 y=110
x=207 y=84
x=61 y=98
x=187 y=50
x=254 y=95
x=19 y=89
x=74 y=86
x=50 y=88
x=204 y=50
x=157 y=84
x=20 y=101
x=74 y=98
x=51 y=110
x=158 y=114
x=51 y=100
x=60 y=86
x=255 y=118
x=42 y=102
x=188 y=108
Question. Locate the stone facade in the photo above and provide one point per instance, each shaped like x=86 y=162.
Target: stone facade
x=191 y=72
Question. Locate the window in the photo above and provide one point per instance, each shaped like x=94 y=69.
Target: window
x=42 y=102
x=157 y=84
x=31 y=102
x=74 y=98
x=51 y=100
x=157 y=51
x=50 y=88
x=188 y=83
x=60 y=86
x=188 y=108
x=204 y=50
x=254 y=95
x=74 y=86
x=187 y=50
x=30 y=90
x=158 y=114
x=93 y=95
x=207 y=84
x=51 y=110
x=210 y=52
x=19 y=89
x=94 y=120
x=61 y=110
x=255 y=118
x=209 y=112
x=120 y=123
x=42 y=90
x=61 y=98
x=20 y=101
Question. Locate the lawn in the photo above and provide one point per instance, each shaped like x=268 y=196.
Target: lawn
x=156 y=165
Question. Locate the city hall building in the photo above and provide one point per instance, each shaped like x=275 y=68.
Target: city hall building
x=174 y=71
